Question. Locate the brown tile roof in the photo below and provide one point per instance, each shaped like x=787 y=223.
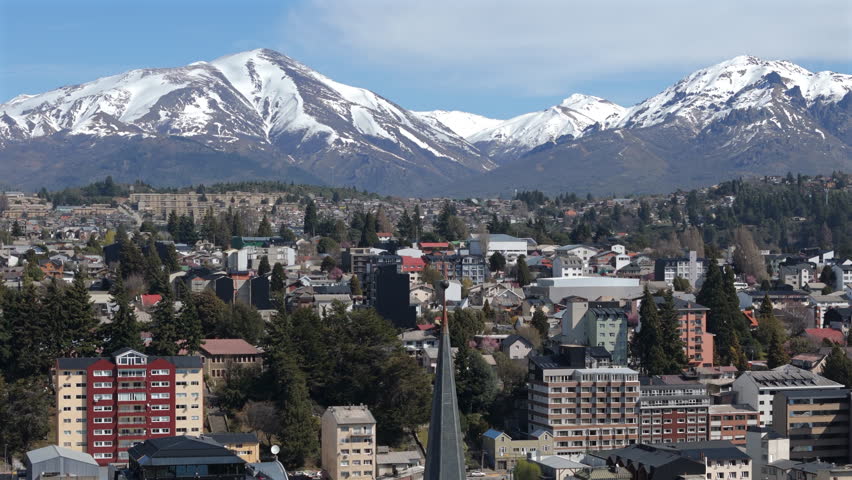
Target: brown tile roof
x=228 y=346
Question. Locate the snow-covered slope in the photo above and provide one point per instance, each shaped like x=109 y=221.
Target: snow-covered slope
x=464 y=124
x=737 y=84
x=255 y=101
x=574 y=116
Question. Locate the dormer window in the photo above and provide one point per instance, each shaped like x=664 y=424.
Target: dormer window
x=131 y=357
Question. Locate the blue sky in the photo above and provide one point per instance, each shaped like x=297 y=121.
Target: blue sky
x=496 y=58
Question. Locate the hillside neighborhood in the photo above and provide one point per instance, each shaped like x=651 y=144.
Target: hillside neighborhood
x=650 y=337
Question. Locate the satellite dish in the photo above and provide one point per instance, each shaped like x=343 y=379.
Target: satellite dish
x=275 y=449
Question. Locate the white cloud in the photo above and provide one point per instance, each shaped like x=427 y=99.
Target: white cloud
x=540 y=47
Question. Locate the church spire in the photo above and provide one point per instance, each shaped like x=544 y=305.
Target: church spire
x=444 y=453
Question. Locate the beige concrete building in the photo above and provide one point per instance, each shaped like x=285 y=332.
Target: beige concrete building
x=219 y=355
x=349 y=443
x=503 y=451
x=244 y=445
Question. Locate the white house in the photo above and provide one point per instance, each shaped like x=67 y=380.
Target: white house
x=567 y=266
x=583 y=252
x=509 y=246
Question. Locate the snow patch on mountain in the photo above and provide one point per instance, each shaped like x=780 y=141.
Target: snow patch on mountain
x=463 y=124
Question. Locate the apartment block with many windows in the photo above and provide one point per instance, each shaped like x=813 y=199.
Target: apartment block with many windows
x=349 y=443
x=731 y=422
x=105 y=405
x=586 y=409
x=673 y=410
x=816 y=422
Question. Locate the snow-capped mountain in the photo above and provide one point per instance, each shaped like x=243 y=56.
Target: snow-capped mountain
x=741 y=83
x=573 y=118
x=464 y=124
x=260 y=114
x=742 y=117
x=256 y=103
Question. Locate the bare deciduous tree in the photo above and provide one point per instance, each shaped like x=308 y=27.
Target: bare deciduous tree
x=261 y=418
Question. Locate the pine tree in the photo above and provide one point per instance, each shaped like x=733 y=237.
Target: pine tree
x=156 y=278
x=405 y=226
x=417 y=223
x=297 y=428
x=671 y=338
x=130 y=257
x=164 y=328
x=311 y=220
x=647 y=342
x=189 y=328
x=524 y=276
x=777 y=353
x=263 y=268
x=539 y=322
x=355 y=286
x=172 y=225
x=838 y=367
x=81 y=321
x=29 y=336
x=276 y=284
x=264 y=229
x=124 y=330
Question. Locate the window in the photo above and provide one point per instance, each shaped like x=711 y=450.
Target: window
x=102 y=455
x=103 y=373
x=102 y=396
x=159 y=372
x=103 y=408
x=160 y=407
x=159 y=384
x=103 y=432
x=103 y=385
x=159 y=419
x=103 y=420
x=138 y=396
x=131 y=359
x=159 y=396
x=159 y=430
x=106 y=443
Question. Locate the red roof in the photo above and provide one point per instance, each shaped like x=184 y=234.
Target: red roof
x=413 y=262
x=151 y=300
x=434 y=244
x=228 y=346
x=831 y=334
x=384 y=234
x=749 y=314
x=426 y=326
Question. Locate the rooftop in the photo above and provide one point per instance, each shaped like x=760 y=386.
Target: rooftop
x=790 y=377
x=53 y=451
x=351 y=414
x=228 y=346
x=181 y=450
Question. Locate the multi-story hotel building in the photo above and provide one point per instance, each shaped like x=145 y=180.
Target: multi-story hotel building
x=349 y=443
x=731 y=422
x=106 y=405
x=816 y=422
x=673 y=410
x=758 y=389
x=585 y=406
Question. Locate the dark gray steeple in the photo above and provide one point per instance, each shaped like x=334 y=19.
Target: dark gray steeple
x=444 y=452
